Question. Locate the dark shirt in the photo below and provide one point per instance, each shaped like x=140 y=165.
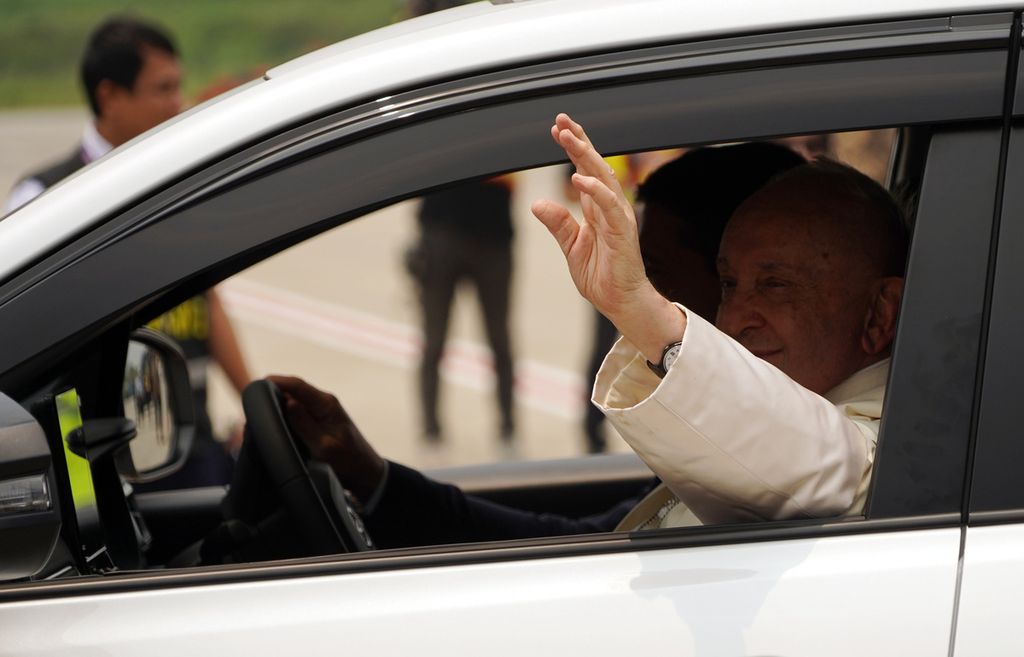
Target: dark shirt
x=479 y=211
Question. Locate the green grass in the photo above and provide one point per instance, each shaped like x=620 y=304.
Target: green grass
x=41 y=40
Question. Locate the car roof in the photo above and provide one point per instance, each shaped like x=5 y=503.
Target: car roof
x=457 y=42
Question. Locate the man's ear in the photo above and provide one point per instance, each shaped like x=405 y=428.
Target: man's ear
x=107 y=94
x=880 y=321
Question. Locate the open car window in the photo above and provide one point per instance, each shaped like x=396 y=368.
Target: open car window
x=344 y=310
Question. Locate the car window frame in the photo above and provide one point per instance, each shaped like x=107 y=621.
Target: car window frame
x=995 y=495
x=940 y=331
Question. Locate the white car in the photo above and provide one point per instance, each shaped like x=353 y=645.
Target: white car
x=932 y=568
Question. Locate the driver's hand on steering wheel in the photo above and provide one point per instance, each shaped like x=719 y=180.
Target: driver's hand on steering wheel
x=318 y=419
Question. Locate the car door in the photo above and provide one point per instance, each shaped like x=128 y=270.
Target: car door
x=843 y=587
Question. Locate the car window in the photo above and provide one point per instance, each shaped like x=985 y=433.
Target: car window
x=343 y=310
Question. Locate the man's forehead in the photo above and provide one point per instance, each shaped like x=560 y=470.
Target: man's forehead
x=771 y=243
x=781 y=264
x=799 y=225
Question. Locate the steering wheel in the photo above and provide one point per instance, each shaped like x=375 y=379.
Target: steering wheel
x=281 y=494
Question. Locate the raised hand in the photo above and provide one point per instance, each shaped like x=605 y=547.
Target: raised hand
x=603 y=252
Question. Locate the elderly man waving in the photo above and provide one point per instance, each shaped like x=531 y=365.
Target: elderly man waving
x=775 y=413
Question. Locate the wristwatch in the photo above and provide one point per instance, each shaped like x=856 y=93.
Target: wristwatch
x=668 y=356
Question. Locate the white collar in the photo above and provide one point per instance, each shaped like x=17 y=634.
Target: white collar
x=868 y=380
x=94 y=146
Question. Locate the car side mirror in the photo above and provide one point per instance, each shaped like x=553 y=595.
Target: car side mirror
x=157 y=398
x=29 y=508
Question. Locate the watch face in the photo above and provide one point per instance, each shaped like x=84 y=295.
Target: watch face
x=671 y=354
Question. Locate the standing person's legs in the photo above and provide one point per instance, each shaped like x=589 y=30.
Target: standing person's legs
x=492 y=275
x=437 y=289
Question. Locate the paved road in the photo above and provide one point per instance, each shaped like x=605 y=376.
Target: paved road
x=339 y=311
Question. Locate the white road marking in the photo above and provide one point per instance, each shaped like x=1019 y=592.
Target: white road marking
x=545 y=388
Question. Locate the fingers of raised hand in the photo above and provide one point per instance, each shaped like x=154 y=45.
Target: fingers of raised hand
x=564 y=122
x=559 y=222
x=575 y=139
x=587 y=160
x=612 y=208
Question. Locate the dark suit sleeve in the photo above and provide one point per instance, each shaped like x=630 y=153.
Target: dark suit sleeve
x=414 y=510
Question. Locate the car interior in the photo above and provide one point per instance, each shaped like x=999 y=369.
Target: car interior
x=279 y=504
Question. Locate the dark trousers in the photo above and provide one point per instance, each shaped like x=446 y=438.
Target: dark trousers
x=445 y=260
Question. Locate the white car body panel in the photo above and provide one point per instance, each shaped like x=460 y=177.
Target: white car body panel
x=808 y=597
x=476 y=37
x=992 y=593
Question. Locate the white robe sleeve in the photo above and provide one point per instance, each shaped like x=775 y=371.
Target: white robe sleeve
x=732 y=436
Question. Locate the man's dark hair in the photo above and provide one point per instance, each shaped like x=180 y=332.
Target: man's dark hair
x=115 y=52
x=704 y=186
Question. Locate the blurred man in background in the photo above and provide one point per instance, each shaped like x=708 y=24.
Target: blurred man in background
x=132 y=79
